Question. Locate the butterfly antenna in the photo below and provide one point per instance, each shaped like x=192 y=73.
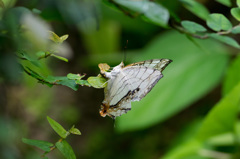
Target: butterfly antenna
x=124 y=52
x=114 y=121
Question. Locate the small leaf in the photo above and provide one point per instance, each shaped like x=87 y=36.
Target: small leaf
x=44 y=145
x=53 y=79
x=192 y=26
x=75 y=76
x=57 y=128
x=236 y=30
x=75 y=131
x=227 y=3
x=42 y=54
x=152 y=12
x=238 y=3
x=69 y=83
x=196 y=8
x=218 y=22
x=232 y=76
x=225 y=39
x=60 y=57
x=103 y=67
x=236 y=13
x=65 y=149
x=83 y=82
x=97 y=82
x=64 y=37
x=54 y=37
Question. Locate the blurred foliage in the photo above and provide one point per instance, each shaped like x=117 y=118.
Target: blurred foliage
x=192 y=113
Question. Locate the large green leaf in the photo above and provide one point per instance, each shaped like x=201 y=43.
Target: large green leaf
x=44 y=145
x=192 y=74
x=217 y=128
x=65 y=149
x=151 y=11
x=223 y=117
x=233 y=76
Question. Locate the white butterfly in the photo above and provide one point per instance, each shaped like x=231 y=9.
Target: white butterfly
x=130 y=83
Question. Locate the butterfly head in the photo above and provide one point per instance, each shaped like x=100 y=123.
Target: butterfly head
x=103 y=110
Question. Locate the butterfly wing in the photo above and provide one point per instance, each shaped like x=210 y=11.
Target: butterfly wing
x=132 y=83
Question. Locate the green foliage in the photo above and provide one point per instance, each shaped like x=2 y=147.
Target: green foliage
x=65 y=149
x=236 y=13
x=225 y=39
x=149 y=11
x=62 y=145
x=190 y=67
x=196 y=8
x=74 y=131
x=215 y=125
x=236 y=30
x=232 y=77
x=225 y=2
x=58 y=128
x=193 y=27
x=97 y=82
x=28 y=43
x=218 y=22
x=44 y=145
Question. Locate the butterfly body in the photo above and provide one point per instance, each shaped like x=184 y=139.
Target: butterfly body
x=130 y=83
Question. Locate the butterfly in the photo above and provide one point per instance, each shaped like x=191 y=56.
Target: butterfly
x=126 y=84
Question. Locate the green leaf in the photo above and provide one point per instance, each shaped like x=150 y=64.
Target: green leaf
x=44 y=145
x=64 y=37
x=236 y=13
x=218 y=22
x=225 y=39
x=83 y=83
x=226 y=139
x=23 y=55
x=151 y=11
x=55 y=79
x=184 y=151
x=54 y=37
x=227 y=3
x=75 y=131
x=238 y=3
x=236 y=30
x=196 y=8
x=69 y=83
x=97 y=82
x=60 y=57
x=57 y=128
x=65 y=149
x=232 y=77
x=193 y=27
x=75 y=76
x=184 y=77
x=222 y=118
x=42 y=54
